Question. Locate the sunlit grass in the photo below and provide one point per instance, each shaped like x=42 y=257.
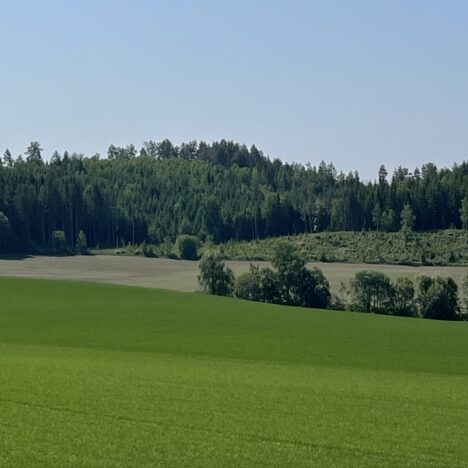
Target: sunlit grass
x=98 y=375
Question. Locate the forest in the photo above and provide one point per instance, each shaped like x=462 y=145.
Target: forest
x=220 y=191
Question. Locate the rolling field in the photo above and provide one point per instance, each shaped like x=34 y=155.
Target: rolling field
x=181 y=275
x=104 y=375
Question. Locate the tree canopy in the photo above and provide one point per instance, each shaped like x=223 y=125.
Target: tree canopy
x=220 y=191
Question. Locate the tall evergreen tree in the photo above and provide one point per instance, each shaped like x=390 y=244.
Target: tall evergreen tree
x=34 y=153
x=7 y=158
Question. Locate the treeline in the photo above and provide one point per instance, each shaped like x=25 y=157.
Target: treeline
x=218 y=191
x=290 y=282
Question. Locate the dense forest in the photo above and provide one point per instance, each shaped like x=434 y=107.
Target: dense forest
x=221 y=191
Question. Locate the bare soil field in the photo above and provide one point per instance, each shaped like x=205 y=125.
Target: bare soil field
x=179 y=275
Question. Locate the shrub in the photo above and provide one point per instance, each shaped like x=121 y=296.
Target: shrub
x=59 y=241
x=187 y=247
x=393 y=247
x=186 y=227
x=167 y=247
x=437 y=298
x=4 y=231
x=315 y=289
x=465 y=294
x=81 y=244
x=215 y=277
x=298 y=285
x=371 y=291
x=148 y=250
x=403 y=298
x=247 y=285
x=258 y=284
x=337 y=303
x=153 y=234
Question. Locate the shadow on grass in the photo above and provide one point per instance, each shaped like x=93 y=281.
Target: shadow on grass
x=42 y=253
x=14 y=256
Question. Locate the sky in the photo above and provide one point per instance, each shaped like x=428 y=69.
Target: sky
x=357 y=83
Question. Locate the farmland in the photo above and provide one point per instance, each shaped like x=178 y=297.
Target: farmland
x=181 y=275
x=105 y=375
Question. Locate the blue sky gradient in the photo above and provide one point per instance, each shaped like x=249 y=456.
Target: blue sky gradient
x=356 y=83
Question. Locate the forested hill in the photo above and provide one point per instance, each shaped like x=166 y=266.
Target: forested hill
x=222 y=190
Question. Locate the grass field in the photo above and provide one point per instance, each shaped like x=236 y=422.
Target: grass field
x=103 y=375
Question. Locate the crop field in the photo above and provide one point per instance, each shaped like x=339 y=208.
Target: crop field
x=181 y=275
x=104 y=375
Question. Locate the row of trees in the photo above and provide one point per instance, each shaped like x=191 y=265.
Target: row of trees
x=431 y=297
x=290 y=282
x=221 y=190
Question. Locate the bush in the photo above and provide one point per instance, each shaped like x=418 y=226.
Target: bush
x=187 y=247
x=403 y=298
x=258 y=284
x=186 y=227
x=153 y=234
x=290 y=284
x=315 y=289
x=215 y=277
x=437 y=298
x=465 y=294
x=392 y=247
x=371 y=291
x=81 y=244
x=59 y=242
x=148 y=250
x=337 y=303
x=4 y=231
x=167 y=247
x=247 y=285
x=298 y=285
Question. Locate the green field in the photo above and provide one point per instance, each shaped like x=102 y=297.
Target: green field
x=103 y=375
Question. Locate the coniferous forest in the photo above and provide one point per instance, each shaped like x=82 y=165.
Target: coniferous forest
x=222 y=191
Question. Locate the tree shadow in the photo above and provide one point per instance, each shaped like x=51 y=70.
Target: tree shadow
x=14 y=256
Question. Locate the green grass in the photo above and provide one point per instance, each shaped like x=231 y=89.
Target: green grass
x=100 y=375
x=448 y=247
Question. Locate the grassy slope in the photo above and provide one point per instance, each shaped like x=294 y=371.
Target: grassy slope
x=101 y=375
x=449 y=247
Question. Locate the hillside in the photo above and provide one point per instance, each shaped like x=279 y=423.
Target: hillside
x=108 y=375
x=219 y=192
x=449 y=247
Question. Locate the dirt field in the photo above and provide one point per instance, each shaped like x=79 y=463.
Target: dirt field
x=178 y=275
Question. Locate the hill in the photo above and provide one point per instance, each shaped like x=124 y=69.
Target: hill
x=107 y=375
x=448 y=247
x=219 y=192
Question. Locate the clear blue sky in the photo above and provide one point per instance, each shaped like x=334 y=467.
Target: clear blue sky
x=358 y=83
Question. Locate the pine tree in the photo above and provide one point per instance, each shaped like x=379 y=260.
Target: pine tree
x=55 y=158
x=8 y=158
x=34 y=153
